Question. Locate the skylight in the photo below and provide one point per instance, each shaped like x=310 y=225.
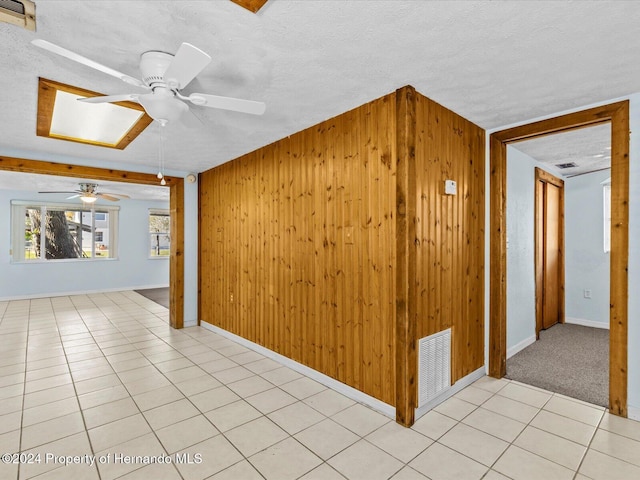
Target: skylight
x=62 y=116
x=102 y=123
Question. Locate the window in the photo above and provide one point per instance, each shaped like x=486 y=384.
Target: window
x=69 y=232
x=101 y=216
x=159 y=233
x=607 y=217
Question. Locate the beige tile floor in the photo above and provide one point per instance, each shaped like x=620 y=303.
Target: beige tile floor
x=103 y=377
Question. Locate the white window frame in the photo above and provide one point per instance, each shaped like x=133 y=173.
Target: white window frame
x=157 y=211
x=18 y=211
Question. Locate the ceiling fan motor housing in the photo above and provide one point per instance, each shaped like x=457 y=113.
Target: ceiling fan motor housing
x=88 y=187
x=153 y=65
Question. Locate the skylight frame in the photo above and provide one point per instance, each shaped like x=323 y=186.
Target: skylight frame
x=46 y=102
x=25 y=20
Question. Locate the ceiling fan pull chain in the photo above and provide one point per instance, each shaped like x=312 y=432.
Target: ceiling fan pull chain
x=162 y=125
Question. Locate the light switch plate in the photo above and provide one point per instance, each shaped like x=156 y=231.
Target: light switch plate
x=450 y=187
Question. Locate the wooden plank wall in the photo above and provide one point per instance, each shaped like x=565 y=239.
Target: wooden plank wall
x=297 y=247
x=298 y=244
x=450 y=232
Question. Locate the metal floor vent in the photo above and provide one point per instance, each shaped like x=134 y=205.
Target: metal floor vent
x=18 y=12
x=434 y=366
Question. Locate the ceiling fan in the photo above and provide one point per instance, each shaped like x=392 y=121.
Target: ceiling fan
x=163 y=76
x=88 y=193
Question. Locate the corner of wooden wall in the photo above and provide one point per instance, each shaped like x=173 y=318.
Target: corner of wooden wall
x=405 y=341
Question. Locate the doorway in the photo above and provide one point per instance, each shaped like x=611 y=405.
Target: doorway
x=176 y=207
x=549 y=250
x=617 y=115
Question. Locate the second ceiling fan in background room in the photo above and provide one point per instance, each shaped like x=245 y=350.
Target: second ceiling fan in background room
x=88 y=193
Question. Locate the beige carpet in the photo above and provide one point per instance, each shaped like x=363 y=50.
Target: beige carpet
x=569 y=359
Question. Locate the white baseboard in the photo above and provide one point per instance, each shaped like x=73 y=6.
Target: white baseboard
x=455 y=388
x=633 y=412
x=332 y=383
x=190 y=323
x=586 y=323
x=78 y=292
x=520 y=346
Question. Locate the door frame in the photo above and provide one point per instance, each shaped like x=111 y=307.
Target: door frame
x=617 y=114
x=176 y=207
x=545 y=177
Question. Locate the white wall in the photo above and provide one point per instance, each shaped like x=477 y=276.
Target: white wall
x=132 y=269
x=586 y=264
x=521 y=287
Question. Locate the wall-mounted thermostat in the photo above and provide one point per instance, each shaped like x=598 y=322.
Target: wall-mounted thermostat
x=450 y=187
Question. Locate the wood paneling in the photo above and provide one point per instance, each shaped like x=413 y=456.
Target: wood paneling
x=618 y=115
x=297 y=247
x=337 y=247
x=449 y=233
x=176 y=184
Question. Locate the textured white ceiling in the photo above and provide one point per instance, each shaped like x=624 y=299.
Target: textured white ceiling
x=589 y=148
x=493 y=62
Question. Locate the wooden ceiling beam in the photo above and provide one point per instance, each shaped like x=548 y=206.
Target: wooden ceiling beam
x=251 y=5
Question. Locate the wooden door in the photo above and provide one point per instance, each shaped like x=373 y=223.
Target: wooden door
x=551 y=285
x=549 y=250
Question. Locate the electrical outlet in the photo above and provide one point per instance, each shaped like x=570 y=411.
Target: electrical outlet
x=231 y=297
x=587 y=293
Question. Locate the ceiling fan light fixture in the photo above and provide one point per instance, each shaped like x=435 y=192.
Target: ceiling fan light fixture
x=88 y=198
x=163 y=106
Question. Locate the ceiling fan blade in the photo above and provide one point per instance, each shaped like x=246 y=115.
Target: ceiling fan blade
x=188 y=62
x=121 y=195
x=226 y=103
x=106 y=196
x=127 y=97
x=73 y=196
x=87 y=62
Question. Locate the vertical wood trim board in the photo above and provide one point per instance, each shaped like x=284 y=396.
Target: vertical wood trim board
x=618 y=319
x=176 y=265
x=449 y=233
x=618 y=115
x=406 y=318
x=298 y=247
x=498 y=259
